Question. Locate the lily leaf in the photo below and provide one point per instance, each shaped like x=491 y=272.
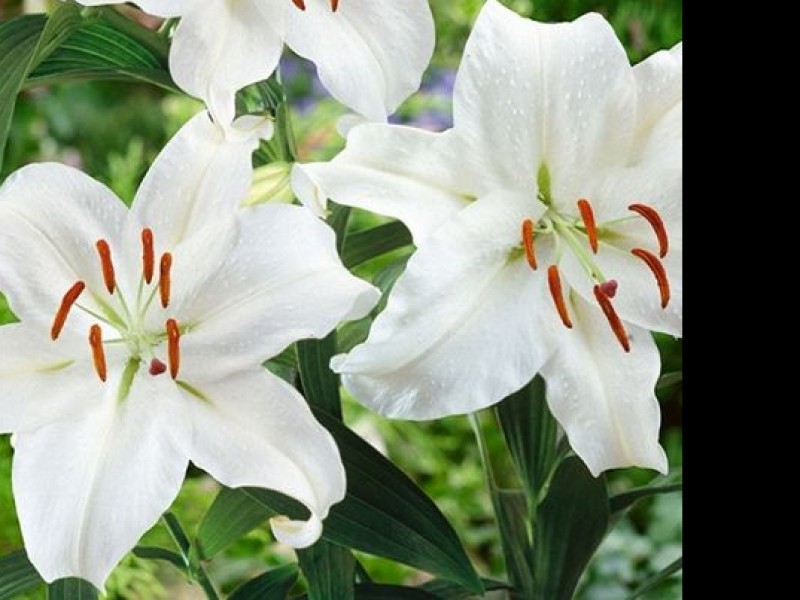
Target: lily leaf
x=571 y=522
x=272 y=585
x=17 y=575
x=329 y=570
x=71 y=588
x=369 y=243
x=656 y=580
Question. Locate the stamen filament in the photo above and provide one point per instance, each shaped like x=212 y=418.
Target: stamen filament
x=587 y=214
x=98 y=355
x=173 y=347
x=657 y=267
x=613 y=318
x=63 y=310
x=527 y=242
x=164 y=282
x=554 y=282
x=651 y=216
x=106 y=265
x=148 y=256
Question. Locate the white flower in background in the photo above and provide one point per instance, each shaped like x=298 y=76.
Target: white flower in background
x=369 y=54
x=548 y=227
x=141 y=341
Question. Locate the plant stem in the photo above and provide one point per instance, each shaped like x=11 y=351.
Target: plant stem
x=195 y=568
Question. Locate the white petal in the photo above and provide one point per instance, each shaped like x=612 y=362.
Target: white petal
x=87 y=488
x=256 y=430
x=604 y=397
x=220 y=47
x=464 y=324
x=528 y=93
x=198 y=179
x=413 y=175
x=32 y=366
x=659 y=85
x=282 y=282
x=370 y=55
x=51 y=216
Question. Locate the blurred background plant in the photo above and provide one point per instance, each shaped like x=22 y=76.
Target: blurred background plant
x=114 y=130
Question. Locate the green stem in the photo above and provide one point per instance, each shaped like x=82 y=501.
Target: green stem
x=195 y=568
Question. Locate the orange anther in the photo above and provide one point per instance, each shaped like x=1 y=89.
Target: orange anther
x=63 y=310
x=657 y=267
x=106 y=265
x=656 y=222
x=299 y=4
x=148 y=255
x=613 y=318
x=164 y=282
x=589 y=224
x=334 y=5
x=98 y=356
x=554 y=282
x=527 y=242
x=173 y=347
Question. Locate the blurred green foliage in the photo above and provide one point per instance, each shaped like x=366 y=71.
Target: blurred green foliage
x=114 y=131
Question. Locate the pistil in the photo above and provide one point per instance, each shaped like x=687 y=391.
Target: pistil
x=613 y=318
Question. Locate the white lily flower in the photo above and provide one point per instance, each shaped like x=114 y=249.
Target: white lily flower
x=370 y=55
x=548 y=227
x=140 y=346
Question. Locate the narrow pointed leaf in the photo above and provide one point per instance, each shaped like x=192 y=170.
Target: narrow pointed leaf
x=17 y=575
x=622 y=502
x=374 y=591
x=511 y=508
x=657 y=579
x=155 y=553
x=24 y=43
x=570 y=524
x=272 y=585
x=232 y=515
x=329 y=571
x=71 y=589
x=447 y=590
x=361 y=246
x=320 y=384
x=531 y=435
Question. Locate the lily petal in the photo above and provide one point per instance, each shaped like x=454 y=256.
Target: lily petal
x=268 y=291
x=50 y=217
x=555 y=103
x=31 y=366
x=220 y=47
x=370 y=55
x=462 y=339
x=199 y=179
x=115 y=468
x=256 y=430
x=602 y=396
x=413 y=175
x=659 y=84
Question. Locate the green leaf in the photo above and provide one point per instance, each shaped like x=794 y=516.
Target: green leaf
x=329 y=570
x=374 y=591
x=320 y=384
x=531 y=435
x=447 y=590
x=657 y=579
x=71 y=589
x=232 y=514
x=571 y=522
x=156 y=553
x=17 y=575
x=24 y=43
x=272 y=585
x=622 y=502
x=511 y=509
x=361 y=246
x=384 y=513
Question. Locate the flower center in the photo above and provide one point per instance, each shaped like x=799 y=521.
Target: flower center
x=302 y=5
x=128 y=318
x=581 y=235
